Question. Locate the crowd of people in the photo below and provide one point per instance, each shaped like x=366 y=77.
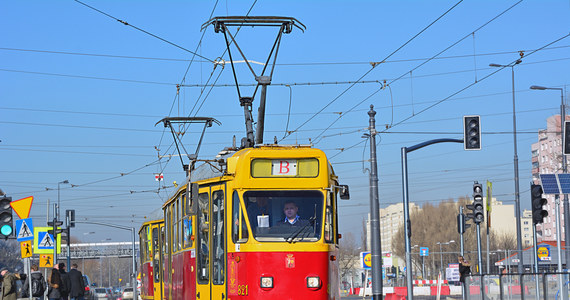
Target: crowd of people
x=60 y=285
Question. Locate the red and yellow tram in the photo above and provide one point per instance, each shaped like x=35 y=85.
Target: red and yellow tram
x=150 y=258
x=258 y=223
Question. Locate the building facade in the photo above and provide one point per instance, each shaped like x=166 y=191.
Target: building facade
x=547 y=159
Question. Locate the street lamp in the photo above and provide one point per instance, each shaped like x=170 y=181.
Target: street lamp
x=58 y=206
x=441 y=253
x=564 y=170
x=515 y=163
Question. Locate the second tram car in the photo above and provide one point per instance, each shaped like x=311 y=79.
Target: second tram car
x=258 y=223
x=150 y=246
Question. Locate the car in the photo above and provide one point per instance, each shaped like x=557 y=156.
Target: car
x=88 y=295
x=111 y=294
x=127 y=293
x=101 y=294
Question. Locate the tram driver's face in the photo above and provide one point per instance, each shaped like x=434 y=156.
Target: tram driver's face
x=290 y=210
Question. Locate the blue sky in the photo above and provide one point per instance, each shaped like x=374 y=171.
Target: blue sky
x=80 y=94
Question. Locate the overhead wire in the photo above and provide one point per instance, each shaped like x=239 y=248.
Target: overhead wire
x=428 y=60
x=283 y=84
x=144 y=31
x=277 y=64
x=373 y=67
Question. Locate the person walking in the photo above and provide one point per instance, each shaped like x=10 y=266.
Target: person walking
x=38 y=284
x=65 y=286
x=77 y=291
x=9 y=288
x=54 y=285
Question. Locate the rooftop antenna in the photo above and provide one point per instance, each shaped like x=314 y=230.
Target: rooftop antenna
x=285 y=25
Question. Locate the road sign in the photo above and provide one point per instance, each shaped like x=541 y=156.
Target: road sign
x=22 y=207
x=46 y=261
x=24 y=230
x=26 y=249
x=44 y=242
x=424 y=251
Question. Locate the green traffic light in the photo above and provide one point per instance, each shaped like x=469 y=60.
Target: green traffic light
x=6 y=230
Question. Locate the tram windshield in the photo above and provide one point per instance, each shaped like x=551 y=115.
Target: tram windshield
x=292 y=216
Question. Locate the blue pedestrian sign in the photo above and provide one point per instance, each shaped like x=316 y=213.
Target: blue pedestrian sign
x=424 y=251
x=45 y=241
x=24 y=230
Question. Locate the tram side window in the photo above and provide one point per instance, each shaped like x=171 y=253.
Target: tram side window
x=156 y=255
x=218 y=262
x=179 y=222
x=203 y=238
x=148 y=244
x=329 y=231
x=239 y=229
x=141 y=242
x=188 y=232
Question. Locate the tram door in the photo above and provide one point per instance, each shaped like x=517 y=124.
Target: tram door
x=211 y=255
x=156 y=262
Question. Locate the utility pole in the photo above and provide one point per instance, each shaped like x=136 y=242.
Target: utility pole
x=375 y=212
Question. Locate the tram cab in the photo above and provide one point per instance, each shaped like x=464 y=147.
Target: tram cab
x=263 y=225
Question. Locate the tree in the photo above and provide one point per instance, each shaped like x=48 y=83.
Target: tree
x=438 y=223
x=348 y=257
x=11 y=257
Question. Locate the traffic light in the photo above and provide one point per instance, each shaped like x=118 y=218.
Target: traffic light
x=471 y=133
x=566 y=137
x=55 y=227
x=538 y=214
x=6 y=217
x=478 y=212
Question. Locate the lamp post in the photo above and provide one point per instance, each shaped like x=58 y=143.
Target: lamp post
x=441 y=253
x=557 y=197
x=564 y=165
x=58 y=206
x=516 y=164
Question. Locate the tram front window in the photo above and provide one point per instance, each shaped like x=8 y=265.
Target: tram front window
x=292 y=216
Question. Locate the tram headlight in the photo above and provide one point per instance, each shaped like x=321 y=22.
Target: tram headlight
x=313 y=282
x=266 y=282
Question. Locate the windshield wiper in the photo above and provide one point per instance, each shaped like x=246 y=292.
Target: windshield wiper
x=295 y=234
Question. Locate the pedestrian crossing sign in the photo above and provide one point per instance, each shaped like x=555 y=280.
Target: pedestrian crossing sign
x=45 y=242
x=24 y=230
x=46 y=261
x=26 y=248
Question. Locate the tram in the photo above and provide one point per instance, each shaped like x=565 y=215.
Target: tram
x=227 y=233
x=151 y=236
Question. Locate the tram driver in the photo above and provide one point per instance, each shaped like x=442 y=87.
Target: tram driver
x=291 y=217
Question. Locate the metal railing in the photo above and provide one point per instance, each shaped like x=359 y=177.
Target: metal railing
x=515 y=286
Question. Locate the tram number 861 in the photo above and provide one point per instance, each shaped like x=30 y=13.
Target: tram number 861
x=242 y=290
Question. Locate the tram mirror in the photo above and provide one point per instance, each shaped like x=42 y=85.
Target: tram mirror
x=343 y=192
x=193 y=197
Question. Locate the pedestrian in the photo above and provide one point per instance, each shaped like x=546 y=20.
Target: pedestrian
x=464 y=269
x=77 y=291
x=38 y=284
x=9 y=287
x=65 y=286
x=54 y=285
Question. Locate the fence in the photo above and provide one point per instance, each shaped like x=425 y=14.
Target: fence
x=515 y=286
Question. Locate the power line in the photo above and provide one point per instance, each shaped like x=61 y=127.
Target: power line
x=367 y=72
x=144 y=31
x=317 y=63
x=423 y=63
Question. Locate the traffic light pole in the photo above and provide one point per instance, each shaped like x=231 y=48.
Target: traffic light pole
x=407 y=223
x=134 y=266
